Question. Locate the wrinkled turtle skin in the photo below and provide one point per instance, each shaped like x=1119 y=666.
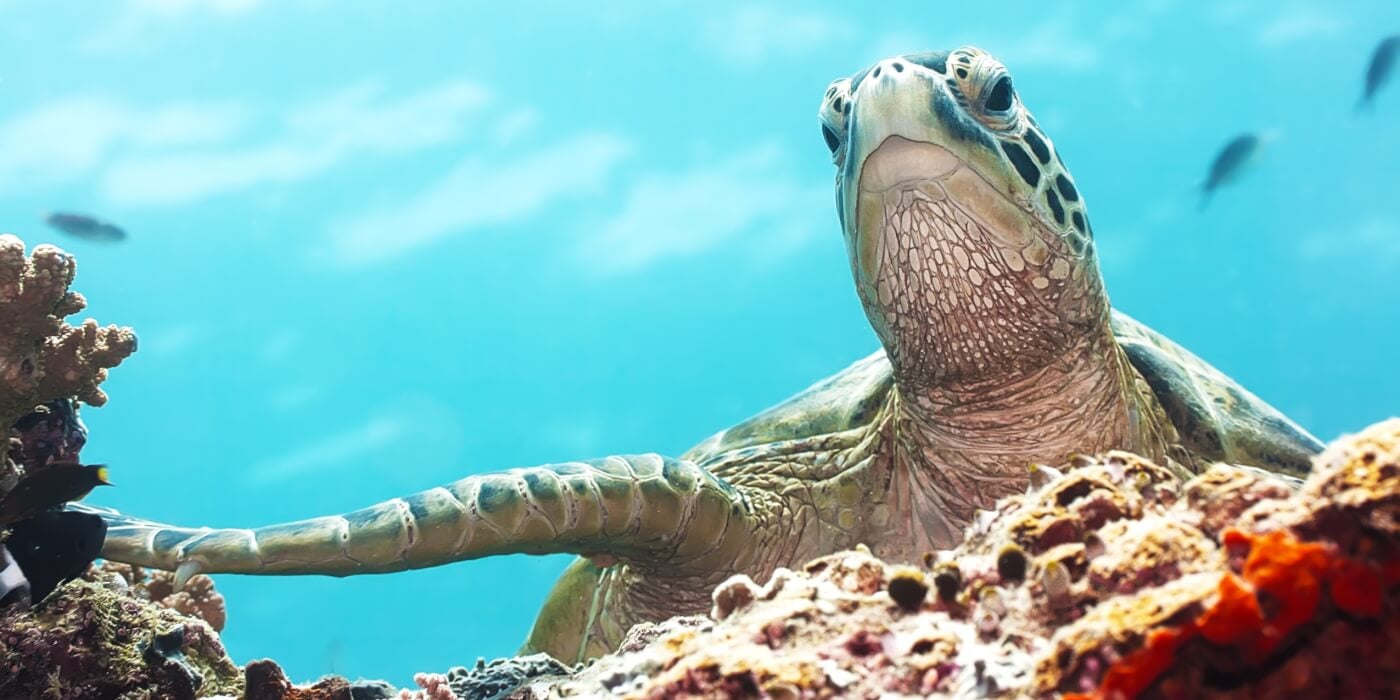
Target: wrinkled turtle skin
x=972 y=253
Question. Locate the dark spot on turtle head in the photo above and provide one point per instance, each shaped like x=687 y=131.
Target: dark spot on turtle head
x=963 y=59
x=949 y=106
x=1037 y=144
x=897 y=66
x=1077 y=244
x=1078 y=219
x=936 y=61
x=1022 y=162
x=1066 y=188
x=1053 y=201
x=858 y=77
x=876 y=72
x=839 y=104
x=830 y=91
x=962 y=73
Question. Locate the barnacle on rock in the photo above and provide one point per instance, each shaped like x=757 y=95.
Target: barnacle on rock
x=1055 y=579
x=908 y=587
x=1012 y=563
x=947 y=580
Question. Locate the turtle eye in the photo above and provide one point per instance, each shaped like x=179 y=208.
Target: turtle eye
x=834 y=114
x=832 y=142
x=1000 y=97
x=984 y=88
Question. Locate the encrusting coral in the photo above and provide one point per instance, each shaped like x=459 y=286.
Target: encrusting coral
x=90 y=641
x=197 y=598
x=1111 y=580
x=42 y=357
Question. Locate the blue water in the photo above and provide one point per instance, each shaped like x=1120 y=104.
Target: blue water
x=377 y=246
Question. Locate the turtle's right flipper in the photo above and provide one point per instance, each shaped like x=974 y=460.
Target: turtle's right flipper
x=642 y=508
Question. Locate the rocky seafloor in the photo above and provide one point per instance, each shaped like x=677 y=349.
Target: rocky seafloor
x=1110 y=578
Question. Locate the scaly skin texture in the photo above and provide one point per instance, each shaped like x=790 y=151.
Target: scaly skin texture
x=972 y=254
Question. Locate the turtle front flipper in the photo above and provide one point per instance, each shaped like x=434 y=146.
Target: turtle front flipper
x=1215 y=417
x=642 y=508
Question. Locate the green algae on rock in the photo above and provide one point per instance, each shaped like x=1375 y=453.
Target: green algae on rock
x=91 y=641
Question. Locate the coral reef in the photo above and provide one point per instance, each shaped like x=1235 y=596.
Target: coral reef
x=196 y=599
x=52 y=432
x=119 y=632
x=42 y=358
x=264 y=680
x=89 y=642
x=485 y=681
x=1111 y=580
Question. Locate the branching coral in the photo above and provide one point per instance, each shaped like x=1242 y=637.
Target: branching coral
x=42 y=358
x=1110 y=580
x=432 y=686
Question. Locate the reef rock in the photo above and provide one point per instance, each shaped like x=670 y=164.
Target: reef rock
x=196 y=599
x=90 y=641
x=1112 y=580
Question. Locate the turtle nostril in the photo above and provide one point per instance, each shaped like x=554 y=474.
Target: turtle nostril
x=876 y=72
x=899 y=67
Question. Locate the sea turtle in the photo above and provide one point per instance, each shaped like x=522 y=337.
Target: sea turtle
x=974 y=259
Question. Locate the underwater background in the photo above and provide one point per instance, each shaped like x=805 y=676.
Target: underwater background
x=378 y=246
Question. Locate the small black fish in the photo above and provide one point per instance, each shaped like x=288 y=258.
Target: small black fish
x=84 y=226
x=53 y=547
x=1382 y=61
x=43 y=488
x=1228 y=164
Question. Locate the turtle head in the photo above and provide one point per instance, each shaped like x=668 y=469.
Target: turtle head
x=969 y=243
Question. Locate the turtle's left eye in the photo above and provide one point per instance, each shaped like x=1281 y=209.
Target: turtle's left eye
x=832 y=142
x=834 y=115
x=1000 y=97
